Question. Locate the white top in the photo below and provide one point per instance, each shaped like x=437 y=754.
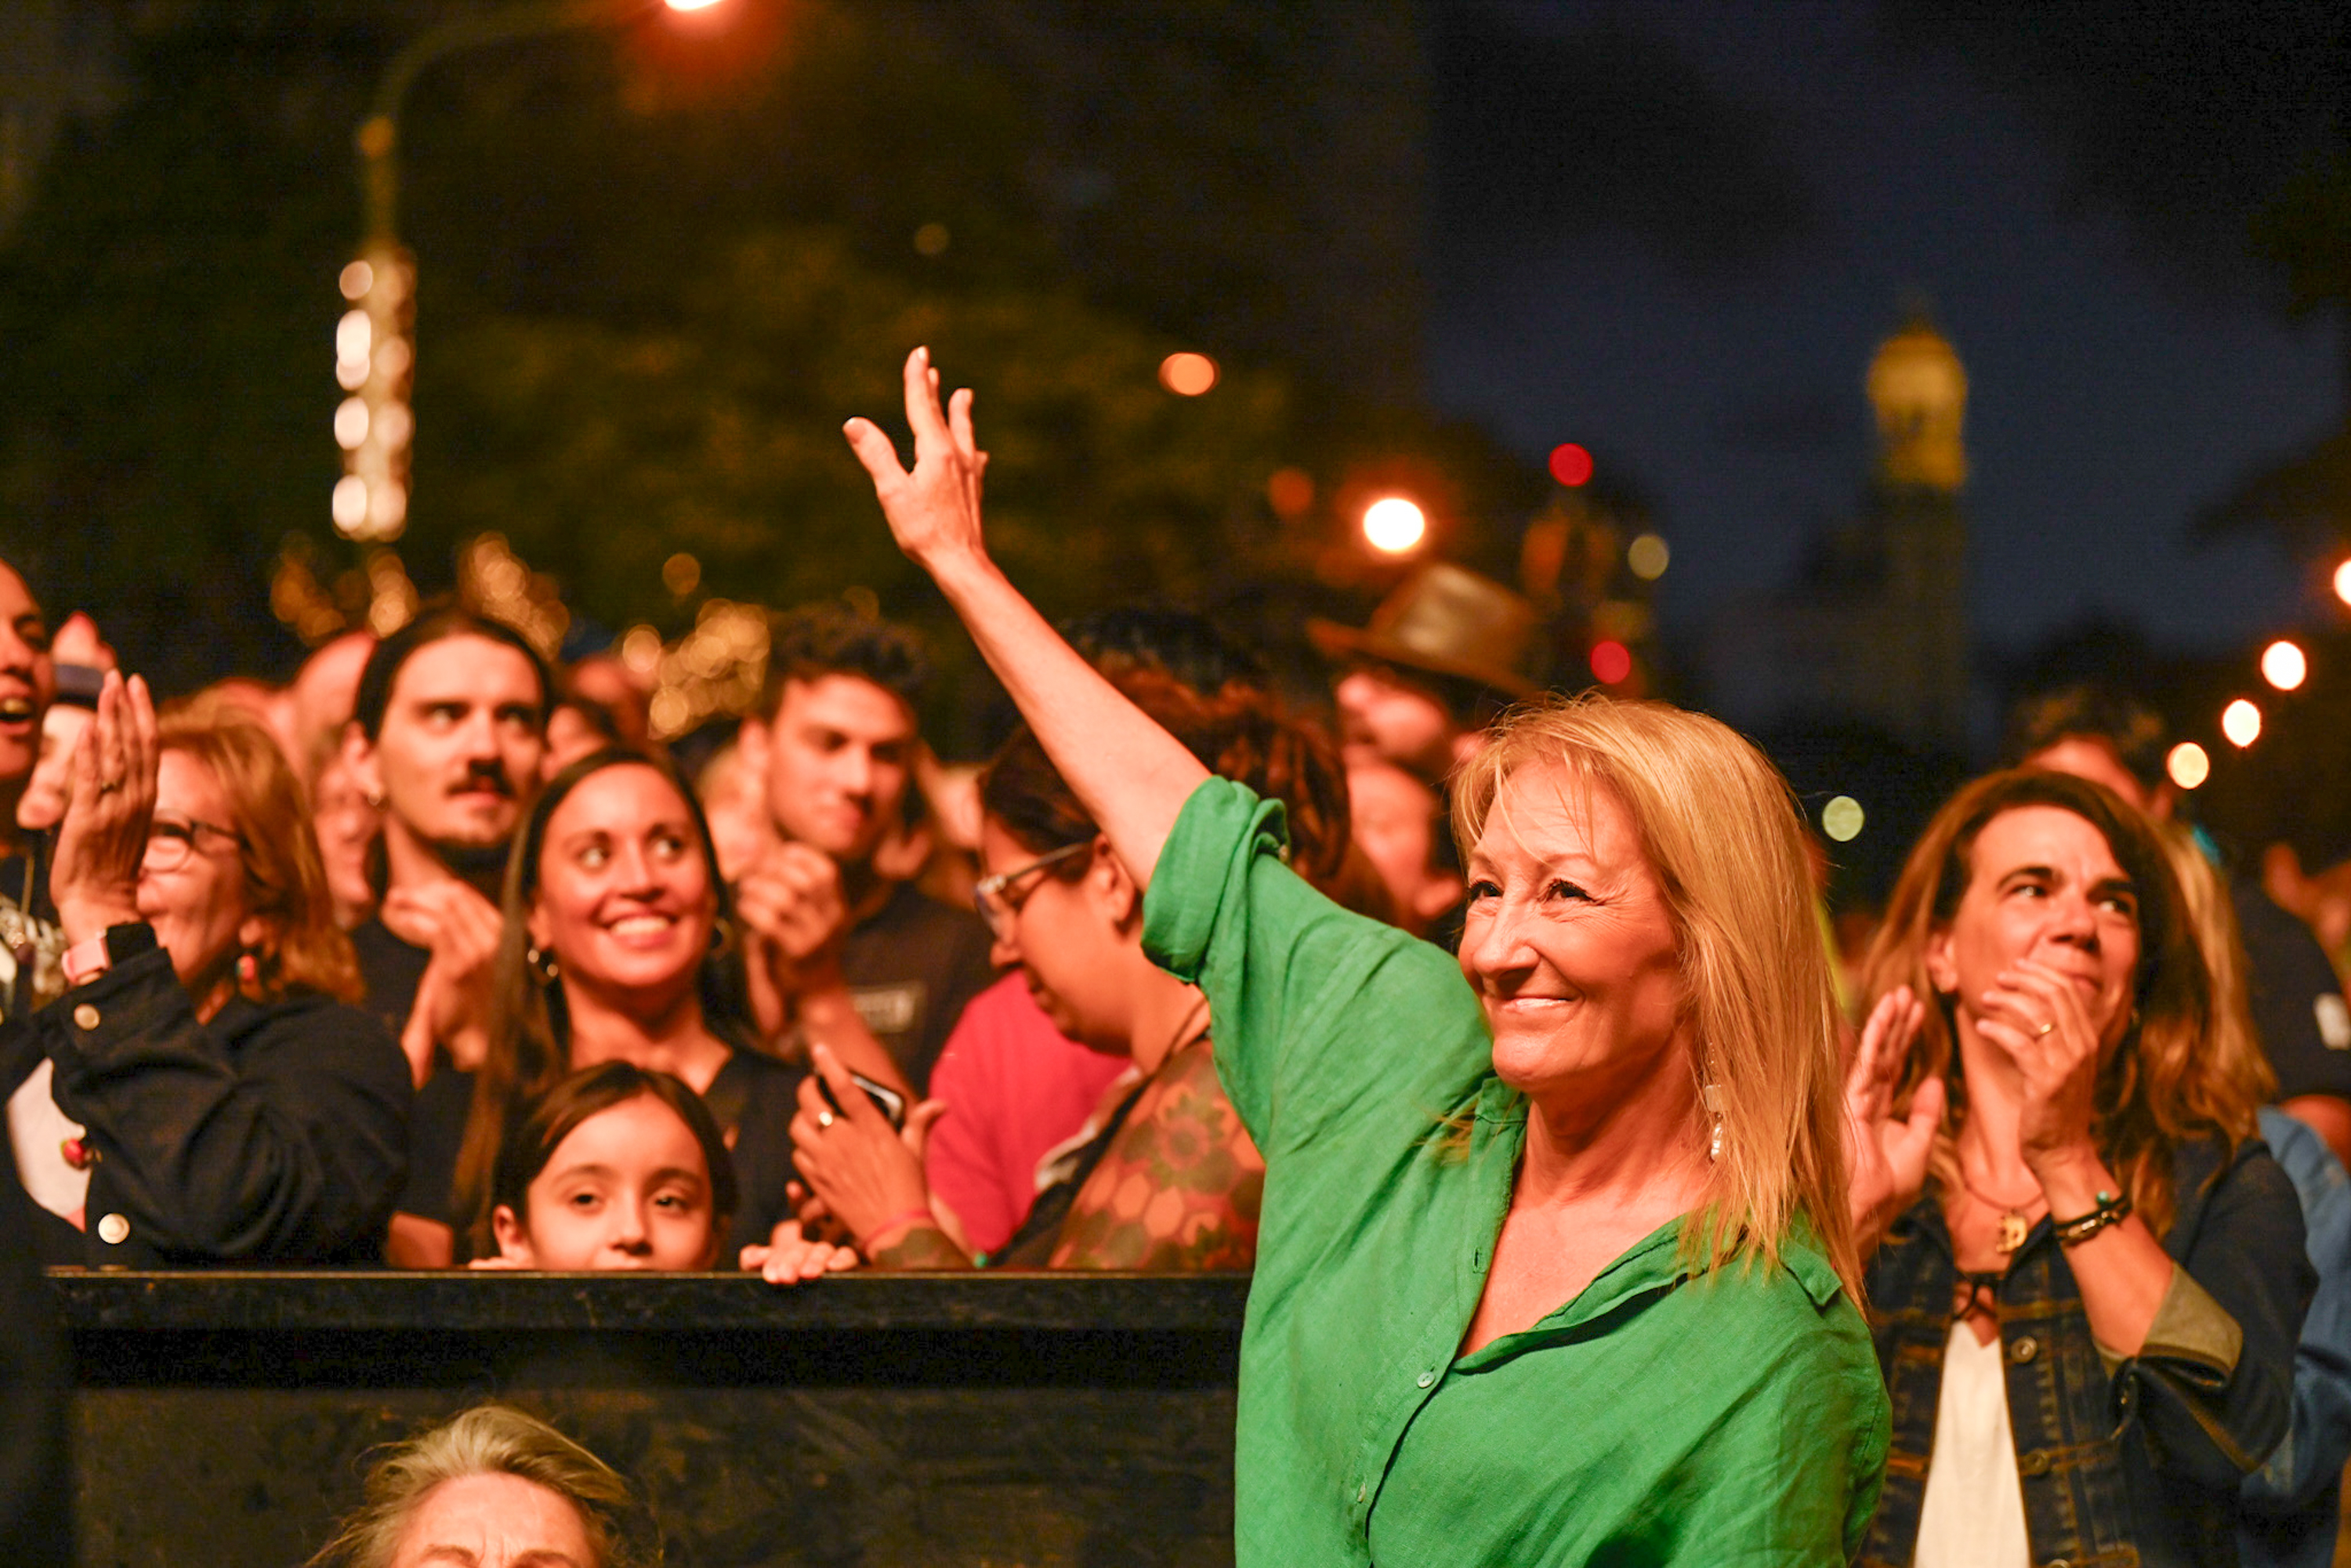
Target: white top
x=39 y=1129
x=1974 y=1513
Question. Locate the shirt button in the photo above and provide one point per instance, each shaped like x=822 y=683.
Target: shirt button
x=2024 y=1348
x=85 y=1017
x=1427 y=1378
x=2033 y=1464
x=113 y=1229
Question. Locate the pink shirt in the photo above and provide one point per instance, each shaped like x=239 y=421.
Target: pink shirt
x=1016 y=1087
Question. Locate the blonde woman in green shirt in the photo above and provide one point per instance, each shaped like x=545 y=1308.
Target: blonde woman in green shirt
x=1554 y=1265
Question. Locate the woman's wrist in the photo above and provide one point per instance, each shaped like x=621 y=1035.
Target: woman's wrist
x=2071 y=1179
x=81 y=918
x=894 y=1227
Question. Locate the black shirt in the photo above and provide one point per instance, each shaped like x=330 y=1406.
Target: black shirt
x=2296 y=998
x=392 y=969
x=911 y=967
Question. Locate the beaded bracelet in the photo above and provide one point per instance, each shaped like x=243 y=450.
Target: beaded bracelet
x=2111 y=1210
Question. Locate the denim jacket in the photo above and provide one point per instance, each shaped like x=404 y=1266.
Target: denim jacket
x=2122 y=1462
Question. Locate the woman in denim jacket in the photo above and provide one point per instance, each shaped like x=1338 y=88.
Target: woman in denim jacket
x=2088 y=1275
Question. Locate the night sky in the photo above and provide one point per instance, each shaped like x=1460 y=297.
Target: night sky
x=1701 y=310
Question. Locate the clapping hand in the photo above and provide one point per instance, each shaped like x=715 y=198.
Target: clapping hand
x=461 y=928
x=102 y=839
x=1886 y=1152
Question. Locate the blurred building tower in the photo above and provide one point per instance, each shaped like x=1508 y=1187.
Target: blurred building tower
x=1875 y=630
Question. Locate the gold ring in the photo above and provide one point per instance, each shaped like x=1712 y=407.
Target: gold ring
x=2044 y=1028
x=109 y=786
x=824 y=1118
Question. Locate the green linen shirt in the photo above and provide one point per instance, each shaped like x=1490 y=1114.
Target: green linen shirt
x=1659 y=1417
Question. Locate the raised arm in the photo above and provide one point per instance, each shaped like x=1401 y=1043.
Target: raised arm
x=1132 y=776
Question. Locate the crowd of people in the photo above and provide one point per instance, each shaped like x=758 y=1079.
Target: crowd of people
x=1498 y=1033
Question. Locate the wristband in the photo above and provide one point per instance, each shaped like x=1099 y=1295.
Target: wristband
x=865 y=1242
x=2111 y=1210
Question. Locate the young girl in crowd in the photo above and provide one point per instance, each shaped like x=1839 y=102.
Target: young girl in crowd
x=615 y=1168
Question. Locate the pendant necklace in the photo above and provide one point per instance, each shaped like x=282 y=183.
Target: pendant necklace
x=2014 y=1221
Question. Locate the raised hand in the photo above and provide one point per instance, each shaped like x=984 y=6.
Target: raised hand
x=791 y=899
x=932 y=509
x=102 y=838
x=787 y=1257
x=1886 y=1152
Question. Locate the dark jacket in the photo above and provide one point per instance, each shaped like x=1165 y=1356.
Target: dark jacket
x=274 y=1134
x=2138 y=1464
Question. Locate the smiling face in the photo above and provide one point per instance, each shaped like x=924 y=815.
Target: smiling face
x=28 y=682
x=624 y=901
x=199 y=906
x=459 y=748
x=1569 y=943
x=494 y=1520
x=626 y=1188
x=2044 y=885
x=839 y=753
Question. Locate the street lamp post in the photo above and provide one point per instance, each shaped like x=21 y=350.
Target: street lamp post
x=375 y=346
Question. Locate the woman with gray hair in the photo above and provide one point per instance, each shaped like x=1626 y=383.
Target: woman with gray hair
x=493 y=1487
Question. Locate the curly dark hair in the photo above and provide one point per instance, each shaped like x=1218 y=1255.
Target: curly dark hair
x=818 y=640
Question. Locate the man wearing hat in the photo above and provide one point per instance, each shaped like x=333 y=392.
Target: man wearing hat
x=1442 y=657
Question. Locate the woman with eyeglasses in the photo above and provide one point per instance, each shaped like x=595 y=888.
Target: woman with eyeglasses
x=1163 y=1177
x=235 y=1108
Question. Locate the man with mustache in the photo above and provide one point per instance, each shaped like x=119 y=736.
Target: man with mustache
x=447 y=741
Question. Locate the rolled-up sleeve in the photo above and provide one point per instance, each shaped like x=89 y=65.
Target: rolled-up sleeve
x=2213 y=1385
x=1317 y=1013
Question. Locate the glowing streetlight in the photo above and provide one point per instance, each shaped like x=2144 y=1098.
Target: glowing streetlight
x=2240 y=721
x=1394 y=526
x=2188 y=764
x=2284 y=665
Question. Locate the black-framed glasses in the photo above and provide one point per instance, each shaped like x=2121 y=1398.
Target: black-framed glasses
x=170 y=844
x=987 y=891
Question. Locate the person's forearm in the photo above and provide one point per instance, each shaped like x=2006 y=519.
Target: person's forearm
x=1132 y=775
x=2123 y=1271
x=830 y=1018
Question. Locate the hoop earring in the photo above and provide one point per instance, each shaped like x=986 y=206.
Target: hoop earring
x=542 y=965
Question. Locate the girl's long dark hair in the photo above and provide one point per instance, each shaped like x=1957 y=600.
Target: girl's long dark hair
x=530 y=1031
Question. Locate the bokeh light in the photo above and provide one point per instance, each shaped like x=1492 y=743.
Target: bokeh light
x=680 y=572
x=356 y=280
x=2240 y=721
x=932 y=239
x=1842 y=819
x=348 y=506
x=350 y=422
x=2188 y=764
x=2343 y=582
x=1290 y=493
x=1648 y=556
x=1611 y=662
x=691 y=5
x=1570 y=465
x=1394 y=525
x=1187 y=374
x=2284 y=665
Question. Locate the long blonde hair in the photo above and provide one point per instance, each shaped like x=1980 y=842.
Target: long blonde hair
x=1721 y=831
x=2189 y=1065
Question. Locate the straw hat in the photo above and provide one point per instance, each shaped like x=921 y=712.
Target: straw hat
x=1448 y=620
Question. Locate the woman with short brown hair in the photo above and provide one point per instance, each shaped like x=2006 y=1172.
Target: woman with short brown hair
x=235 y=1107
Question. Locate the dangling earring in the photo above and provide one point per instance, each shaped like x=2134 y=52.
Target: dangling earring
x=1714 y=1107
x=542 y=965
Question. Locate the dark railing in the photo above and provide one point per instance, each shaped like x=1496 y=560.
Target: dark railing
x=865 y=1419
